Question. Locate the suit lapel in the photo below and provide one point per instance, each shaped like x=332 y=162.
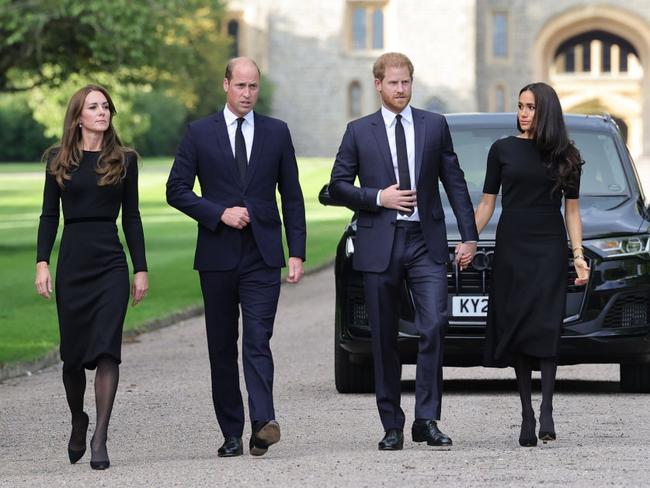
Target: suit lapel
x=226 y=149
x=419 y=126
x=256 y=150
x=379 y=131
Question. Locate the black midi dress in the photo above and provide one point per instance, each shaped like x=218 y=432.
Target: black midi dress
x=92 y=276
x=530 y=265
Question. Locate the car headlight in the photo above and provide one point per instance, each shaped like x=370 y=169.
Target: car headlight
x=615 y=247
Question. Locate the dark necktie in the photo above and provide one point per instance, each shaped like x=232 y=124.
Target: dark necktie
x=402 y=158
x=240 y=150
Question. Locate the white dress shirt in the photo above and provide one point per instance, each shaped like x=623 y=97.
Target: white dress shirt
x=247 y=129
x=409 y=133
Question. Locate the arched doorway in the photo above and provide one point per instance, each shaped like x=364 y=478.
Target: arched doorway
x=595 y=58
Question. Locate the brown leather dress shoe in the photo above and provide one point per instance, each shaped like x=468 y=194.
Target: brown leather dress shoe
x=265 y=434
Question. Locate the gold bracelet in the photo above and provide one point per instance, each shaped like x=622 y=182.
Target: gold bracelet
x=579 y=257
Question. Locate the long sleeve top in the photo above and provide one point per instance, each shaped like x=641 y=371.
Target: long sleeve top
x=83 y=198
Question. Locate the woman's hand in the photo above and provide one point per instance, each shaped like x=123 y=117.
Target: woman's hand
x=582 y=271
x=43 y=280
x=139 y=287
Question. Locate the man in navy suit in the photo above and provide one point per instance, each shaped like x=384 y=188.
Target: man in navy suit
x=399 y=154
x=240 y=158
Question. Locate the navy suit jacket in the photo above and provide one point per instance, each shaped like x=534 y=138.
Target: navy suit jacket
x=365 y=153
x=205 y=152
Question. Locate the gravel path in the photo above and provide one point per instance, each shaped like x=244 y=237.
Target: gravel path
x=164 y=432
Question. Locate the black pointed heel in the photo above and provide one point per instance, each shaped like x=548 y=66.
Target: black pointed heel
x=99 y=465
x=546 y=436
x=77 y=436
x=527 y=436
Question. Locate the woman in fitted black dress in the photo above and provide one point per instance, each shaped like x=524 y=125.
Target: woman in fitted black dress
x=92 y=176
x=530 y=270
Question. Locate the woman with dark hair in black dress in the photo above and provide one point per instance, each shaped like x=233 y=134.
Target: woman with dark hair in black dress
x=535 y=170
x=93 y=176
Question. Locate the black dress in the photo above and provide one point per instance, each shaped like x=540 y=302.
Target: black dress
x=530 y=267
x=92 y=277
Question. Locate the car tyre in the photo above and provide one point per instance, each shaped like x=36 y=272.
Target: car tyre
x=635 y=378
x=351 y=377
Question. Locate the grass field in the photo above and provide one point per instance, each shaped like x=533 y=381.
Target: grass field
x=28 y=325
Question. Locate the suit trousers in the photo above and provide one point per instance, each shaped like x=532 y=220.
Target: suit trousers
x=256 y=288
x=427 y=282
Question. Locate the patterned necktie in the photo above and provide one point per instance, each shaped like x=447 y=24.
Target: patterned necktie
x=402 y=158
x=240 y=150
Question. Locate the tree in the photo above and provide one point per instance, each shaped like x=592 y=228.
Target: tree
x=43 y=42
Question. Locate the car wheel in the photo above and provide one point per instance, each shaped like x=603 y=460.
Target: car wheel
x=351 y=377
x=635 y=378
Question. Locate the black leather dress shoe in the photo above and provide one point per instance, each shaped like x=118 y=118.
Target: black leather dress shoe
x=392 y=441
x=264 y=435
x=231 y=447
x=428 y=431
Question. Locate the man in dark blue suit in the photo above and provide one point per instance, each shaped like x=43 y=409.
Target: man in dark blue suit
x=240 y=158
x=400 y=154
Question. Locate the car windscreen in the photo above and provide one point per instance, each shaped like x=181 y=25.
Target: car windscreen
x=602 y=173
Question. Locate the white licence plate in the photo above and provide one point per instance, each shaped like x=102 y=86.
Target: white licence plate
x=469 y=306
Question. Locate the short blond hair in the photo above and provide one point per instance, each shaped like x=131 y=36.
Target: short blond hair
x=391 y=60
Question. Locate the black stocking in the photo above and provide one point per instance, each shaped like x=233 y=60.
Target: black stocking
x=74 y=382
x=106 y=380
x=548 y=369
x=523 y=370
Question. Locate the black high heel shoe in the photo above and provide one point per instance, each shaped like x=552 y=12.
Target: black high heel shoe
x=527 y=436
x=99 y=465
x=78 y=437
x=546 y=429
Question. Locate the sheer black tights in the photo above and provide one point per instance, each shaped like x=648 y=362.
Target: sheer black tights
x=523 y=370
x=106 y=380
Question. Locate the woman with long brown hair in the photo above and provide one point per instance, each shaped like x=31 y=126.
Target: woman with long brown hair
x=92 y=175
x=535 y=171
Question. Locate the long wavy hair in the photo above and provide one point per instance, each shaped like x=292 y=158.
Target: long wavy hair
x=559 y=153
x=63 y=158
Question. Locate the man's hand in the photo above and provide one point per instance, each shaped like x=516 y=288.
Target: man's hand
x=236 y=217
x=465 y=253
x=402 y=200
x=295 y=270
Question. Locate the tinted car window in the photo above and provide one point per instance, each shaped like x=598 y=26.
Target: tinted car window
x=602 y=172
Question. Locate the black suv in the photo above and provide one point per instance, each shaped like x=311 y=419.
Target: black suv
x=607 y=321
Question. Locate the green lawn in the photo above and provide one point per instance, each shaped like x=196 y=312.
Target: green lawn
x=28 y=325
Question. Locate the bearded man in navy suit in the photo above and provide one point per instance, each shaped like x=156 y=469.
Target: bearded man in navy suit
x=400 y=154
x=240 y=159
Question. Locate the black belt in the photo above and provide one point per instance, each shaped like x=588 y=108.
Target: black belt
x=80 y=220
x=408 y=224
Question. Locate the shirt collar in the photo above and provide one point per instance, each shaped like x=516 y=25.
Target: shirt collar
x=231 y=118
x=389 y=117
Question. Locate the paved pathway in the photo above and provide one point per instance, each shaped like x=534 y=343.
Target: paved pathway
x=164 y=432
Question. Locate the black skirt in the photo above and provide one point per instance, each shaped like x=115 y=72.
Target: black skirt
x=529 y=283
x=92 y=293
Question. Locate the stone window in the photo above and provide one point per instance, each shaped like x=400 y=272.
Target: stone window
x=354 y=99
x=596 y=52
x=366 y=25
x=499 y=34
x=499 y=99
x=233 y=33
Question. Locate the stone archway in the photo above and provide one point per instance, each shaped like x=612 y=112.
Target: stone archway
x=631 y=102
